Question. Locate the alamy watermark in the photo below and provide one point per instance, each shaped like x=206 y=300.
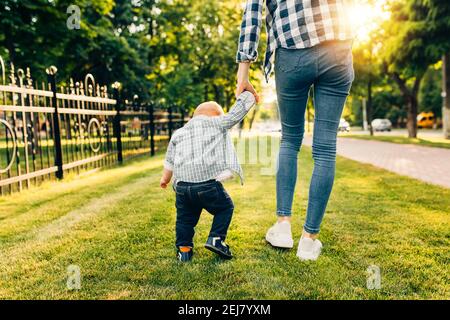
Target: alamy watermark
x=73 y=277
x=373 y=277
x=258 y=150
x=262 y=150
x=74 y=19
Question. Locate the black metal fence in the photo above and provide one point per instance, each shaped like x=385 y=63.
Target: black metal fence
x=47 y=131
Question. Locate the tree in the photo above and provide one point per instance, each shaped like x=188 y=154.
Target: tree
x=416 y=37
x=366 y=68
x=195 y=45
x=430 y=92
x=177 y=52
x=439 y=46
x=446 y=95
x=34 y=34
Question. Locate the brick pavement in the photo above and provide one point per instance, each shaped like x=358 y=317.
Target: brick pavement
x=428 y=164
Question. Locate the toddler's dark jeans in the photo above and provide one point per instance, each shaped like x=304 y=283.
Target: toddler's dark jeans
x=191 y=199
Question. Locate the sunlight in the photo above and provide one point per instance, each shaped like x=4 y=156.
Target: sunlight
x=366 y=17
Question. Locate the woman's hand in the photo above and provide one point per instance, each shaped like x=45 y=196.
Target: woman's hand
x=243 y=83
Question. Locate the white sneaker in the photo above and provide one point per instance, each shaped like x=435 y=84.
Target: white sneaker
x=309 y=249
x=280 y=235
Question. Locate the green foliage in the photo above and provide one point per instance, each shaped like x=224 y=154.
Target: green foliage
x=416 y=36
x=430 y=92
x=182 y=52
x=388 y=103
x=398 y=57
x=173 y=51
x=195 y=44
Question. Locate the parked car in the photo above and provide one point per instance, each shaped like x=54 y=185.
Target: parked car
x=381 y=125
x=344 y=126
x=425 y=120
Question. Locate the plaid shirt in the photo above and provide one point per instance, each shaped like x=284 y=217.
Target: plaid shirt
x=291 y=24
x=202 y=150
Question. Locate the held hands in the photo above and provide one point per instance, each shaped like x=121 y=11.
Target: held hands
x=243 y=83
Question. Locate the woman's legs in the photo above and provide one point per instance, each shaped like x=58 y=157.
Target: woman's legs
x=294 y=75
x=330 y=92
x=329 y=68
x=291 y=140
x=324 y=155
x=293 y=86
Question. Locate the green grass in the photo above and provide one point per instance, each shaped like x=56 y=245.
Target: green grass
x=426 y=142
x=118 y=226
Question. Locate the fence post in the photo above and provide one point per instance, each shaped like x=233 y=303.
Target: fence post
x=181 y=123
x=117 y=118
x=170 y=121
x=51 y=77
x=152 y=129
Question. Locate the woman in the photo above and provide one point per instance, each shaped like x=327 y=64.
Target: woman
x=312 y=42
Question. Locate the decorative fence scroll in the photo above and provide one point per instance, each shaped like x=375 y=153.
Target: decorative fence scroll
x=47 y=131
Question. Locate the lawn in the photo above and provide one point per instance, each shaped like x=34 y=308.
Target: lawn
x=117 y=225
x=426 y=142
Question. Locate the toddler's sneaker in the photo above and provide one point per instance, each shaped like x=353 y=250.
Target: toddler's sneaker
x=184 y=254
x=216 y=245
x=280 y=235
x=309 y=249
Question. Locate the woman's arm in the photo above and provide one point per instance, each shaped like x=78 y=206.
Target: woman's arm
x=248 y=44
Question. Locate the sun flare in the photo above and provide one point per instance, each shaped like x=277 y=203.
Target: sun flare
x=366 y=17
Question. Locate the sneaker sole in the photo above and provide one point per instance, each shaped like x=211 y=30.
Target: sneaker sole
x=217 y=251
x=280 y=243
x=308 y=256
x=183 y=261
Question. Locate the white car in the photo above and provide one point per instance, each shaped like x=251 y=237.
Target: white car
x=344 y=126
x=381 y=125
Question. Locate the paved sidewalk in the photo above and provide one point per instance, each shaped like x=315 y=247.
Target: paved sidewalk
x=428 y=164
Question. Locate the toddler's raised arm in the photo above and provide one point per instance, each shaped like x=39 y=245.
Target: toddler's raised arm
x=238 y=111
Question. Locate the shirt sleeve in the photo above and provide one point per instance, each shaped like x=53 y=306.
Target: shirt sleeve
x=250 y=31
x=170 y=155
x=238 y=111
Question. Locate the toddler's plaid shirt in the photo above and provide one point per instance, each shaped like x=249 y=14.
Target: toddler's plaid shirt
x=202 y=149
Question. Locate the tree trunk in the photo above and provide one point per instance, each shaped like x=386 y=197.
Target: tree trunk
x=411 y=124
x=410 y=96
x=446 y=95
x=369 y=105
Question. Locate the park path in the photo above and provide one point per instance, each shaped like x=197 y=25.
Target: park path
x=428 y=164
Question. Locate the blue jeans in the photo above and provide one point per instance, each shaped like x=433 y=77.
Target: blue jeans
x=191 y=199
x=328 y=69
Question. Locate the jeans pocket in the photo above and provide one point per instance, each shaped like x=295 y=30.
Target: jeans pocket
x=179 y=190
x=287 y=60
x=180 y=199
x=209 y=195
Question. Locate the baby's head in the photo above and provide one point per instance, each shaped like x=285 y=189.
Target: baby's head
x=209 y=109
